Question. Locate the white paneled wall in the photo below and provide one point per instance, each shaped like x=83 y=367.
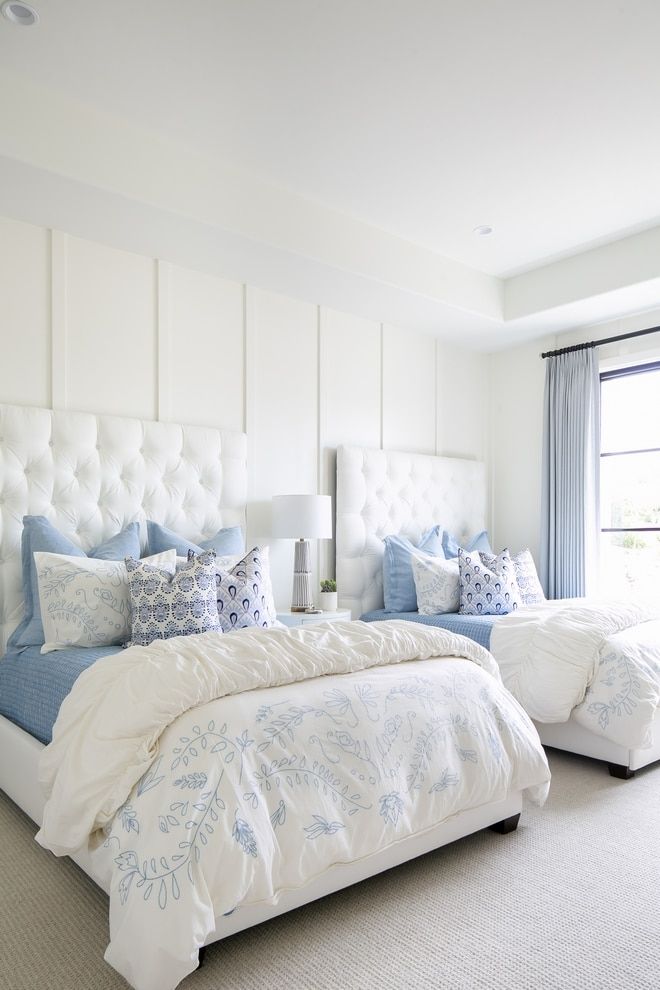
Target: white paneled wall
x=25 y=360
x=85 y=326
x=282 y=415
x=109 y=324
x=409 y=391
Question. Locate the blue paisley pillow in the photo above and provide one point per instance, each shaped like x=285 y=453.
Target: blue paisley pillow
x=486 y=590
x=163 y=605
x=242 y=593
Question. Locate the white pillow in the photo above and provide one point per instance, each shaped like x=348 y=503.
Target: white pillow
x=226 y=563
x=87 y=602
x=436 y=581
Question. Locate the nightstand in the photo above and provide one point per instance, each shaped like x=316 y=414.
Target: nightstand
x=311 y=618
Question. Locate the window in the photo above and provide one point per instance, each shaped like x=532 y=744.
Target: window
x=630 y=480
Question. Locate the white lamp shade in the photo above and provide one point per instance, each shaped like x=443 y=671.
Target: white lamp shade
x=306 y=517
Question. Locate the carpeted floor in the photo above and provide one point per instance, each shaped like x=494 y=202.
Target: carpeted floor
x=570 y=901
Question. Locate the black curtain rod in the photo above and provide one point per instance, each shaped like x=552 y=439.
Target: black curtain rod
x=597 y=343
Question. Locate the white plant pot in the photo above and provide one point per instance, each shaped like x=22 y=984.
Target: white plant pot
x=328 y=601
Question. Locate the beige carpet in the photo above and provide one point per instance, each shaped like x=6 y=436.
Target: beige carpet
x=570 y=901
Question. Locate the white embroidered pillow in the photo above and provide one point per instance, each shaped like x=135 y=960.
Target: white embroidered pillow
x=527 y=577
x=436 y=583
x=85 y=601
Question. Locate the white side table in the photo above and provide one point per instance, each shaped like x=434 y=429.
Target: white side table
x=311 y=618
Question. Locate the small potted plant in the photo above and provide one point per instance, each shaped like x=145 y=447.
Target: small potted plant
x=328 y=596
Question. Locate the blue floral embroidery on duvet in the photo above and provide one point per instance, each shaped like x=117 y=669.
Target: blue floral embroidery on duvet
x=373 y=749
x=321 y=826
x=391 y=806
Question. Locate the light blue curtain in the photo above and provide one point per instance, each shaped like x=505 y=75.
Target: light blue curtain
x=571 y=470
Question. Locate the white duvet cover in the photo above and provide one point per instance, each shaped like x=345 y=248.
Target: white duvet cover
x=597 y=660
x=215 y=771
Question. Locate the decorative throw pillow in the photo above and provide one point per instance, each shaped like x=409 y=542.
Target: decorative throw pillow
x=87 y=602
x=398 y=582
x=450 y=544
x=226 y=541
x=242 y=599
x=487 y=590
x=227 y=563
x=531 y=592
x=436 y=581
x=163 y=606
x=39 y=535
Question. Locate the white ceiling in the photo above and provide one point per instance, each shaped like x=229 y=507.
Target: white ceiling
x=416 y=119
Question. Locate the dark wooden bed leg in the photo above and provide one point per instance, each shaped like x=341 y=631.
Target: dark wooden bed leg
x=202 y=953
x=623 y=773
x=506 y=825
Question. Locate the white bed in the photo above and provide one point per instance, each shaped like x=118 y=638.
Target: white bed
x=381 y=493
x=91 y=476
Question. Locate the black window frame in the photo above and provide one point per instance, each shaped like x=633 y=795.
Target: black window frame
x=638 y=369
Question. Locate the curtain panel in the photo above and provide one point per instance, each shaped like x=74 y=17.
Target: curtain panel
x=571 y=471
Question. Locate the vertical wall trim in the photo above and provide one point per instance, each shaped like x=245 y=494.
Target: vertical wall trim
x=59 y=318
x=436 y=355
x=488 y=451
x=245 y=359
x=250 y=389
x=326 y=547
x=382 y=386
x=321 y=485
x=163 y=341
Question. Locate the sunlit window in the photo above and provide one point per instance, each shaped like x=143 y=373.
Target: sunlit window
x=630 y=480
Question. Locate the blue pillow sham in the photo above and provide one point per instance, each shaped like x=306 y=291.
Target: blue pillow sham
x=398 y=582
x=226 y=541
x=450 y=544
x=40 y=535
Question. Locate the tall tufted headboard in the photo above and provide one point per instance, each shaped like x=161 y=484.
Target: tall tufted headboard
x=385 y=492
x=92 y=475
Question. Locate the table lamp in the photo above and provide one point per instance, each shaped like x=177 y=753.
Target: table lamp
x=303 y=518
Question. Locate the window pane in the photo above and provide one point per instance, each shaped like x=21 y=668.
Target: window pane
x=630 y=489
x=630 y=563
x=630 y=412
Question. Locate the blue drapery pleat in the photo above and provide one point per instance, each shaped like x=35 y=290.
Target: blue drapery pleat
x=571 y=470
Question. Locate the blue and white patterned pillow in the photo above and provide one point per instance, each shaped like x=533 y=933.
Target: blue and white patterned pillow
x=487 y=590
x=531 y=592
x=242 y=593
x=163 y=605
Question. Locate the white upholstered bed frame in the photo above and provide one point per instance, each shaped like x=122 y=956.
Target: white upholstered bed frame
x=384 y=492
x=91 y=476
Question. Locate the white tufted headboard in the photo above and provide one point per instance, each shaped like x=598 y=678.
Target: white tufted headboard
x=92 y=475
x=384 y=492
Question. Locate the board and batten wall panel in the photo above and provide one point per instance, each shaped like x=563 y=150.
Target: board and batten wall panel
x=202 y=379
x=463 y=390
x=349 y=397
x=25 y=365
x=90 y=327
x=409 y=411
x=282 y=418
x=110 y=336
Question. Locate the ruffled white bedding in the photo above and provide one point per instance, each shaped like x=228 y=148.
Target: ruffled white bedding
x=598 y=660
x=215 y=771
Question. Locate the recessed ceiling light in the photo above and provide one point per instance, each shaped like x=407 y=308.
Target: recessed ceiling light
x=483 y=230
x=20 y=13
